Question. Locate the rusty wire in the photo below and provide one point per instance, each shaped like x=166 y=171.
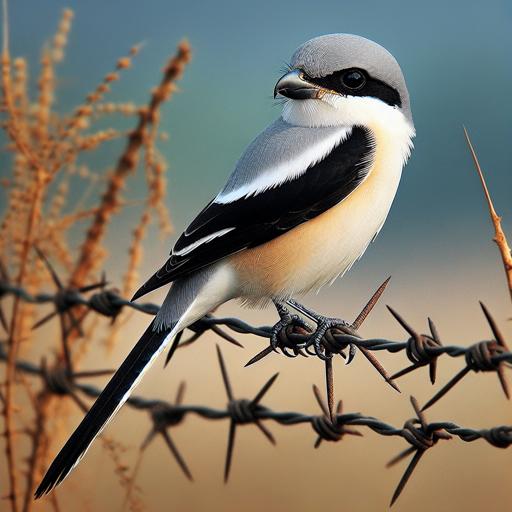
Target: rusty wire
x=421 y=349
x=417 y=432
x=292 y=340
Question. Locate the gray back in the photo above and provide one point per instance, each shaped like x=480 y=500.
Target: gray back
x=276 y=145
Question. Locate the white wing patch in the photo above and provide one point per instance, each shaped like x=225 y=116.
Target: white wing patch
x=286 y=171
x=201 y=241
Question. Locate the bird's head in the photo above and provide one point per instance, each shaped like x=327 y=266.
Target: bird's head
x=343 y=79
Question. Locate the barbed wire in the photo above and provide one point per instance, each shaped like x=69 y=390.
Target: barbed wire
x=417 y=432
x=292 y=337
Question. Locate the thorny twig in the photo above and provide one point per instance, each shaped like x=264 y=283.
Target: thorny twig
x=499 y=235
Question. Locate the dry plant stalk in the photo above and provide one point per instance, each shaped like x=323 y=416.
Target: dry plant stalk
x=499 y=235
x=88 y=259
x=49 y=152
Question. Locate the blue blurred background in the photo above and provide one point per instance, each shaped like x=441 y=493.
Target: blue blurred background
x=455 y=57
x=436 y=243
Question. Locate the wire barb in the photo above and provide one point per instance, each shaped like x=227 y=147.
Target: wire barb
x=330 y=426
x=164 y=416
x=417 y=347
x=480 y=358
x=421 y=436
x=293 y=338
x=241 y=412
x=62 y=381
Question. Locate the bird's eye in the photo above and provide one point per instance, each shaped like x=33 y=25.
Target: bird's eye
x=353 y=79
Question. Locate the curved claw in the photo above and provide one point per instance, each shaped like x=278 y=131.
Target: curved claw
x=315 y=340
x=301 y=352
x=351 y=354
x=310 y=351
x=286 y=320
x=321 y=353
x=287 y=353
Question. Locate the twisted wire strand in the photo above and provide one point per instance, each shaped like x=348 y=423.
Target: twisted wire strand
x=291 y=340
x=497 y=436
x=108 y=303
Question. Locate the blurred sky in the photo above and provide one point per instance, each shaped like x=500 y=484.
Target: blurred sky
x=437 y=241
x=455 y=57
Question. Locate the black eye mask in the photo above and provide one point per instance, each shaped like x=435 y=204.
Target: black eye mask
x=356 y=82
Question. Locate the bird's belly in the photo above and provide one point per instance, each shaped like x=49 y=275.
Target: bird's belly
x=316 y=252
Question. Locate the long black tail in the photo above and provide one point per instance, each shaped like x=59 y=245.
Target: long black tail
x=110 y=400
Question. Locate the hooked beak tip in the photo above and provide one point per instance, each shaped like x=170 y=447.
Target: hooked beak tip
x=294 y=86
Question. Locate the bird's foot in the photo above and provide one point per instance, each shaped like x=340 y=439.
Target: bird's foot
x=286 y=320
x=323 y=324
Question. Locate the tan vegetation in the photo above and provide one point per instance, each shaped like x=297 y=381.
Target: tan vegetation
x=50 y=155
x=49 y=152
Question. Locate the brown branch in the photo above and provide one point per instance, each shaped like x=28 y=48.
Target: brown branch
x=39 y=443
x=127 y=163
x=10 y=448
x=499 y=235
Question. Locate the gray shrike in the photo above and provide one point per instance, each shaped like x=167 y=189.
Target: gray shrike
x=304 y=202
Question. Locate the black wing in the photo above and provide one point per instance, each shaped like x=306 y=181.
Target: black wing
x=262 y=217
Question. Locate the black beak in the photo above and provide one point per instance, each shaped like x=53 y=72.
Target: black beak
x=295 y=87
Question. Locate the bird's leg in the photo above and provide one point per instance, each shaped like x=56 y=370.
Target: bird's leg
x=286 y=319
x=323 y=324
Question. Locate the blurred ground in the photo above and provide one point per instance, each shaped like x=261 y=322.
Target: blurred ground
x=436 y=244
x=349 y=475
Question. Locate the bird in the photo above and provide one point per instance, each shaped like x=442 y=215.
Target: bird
x=304 y=201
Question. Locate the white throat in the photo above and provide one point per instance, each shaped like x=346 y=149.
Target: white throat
x=349 y=111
